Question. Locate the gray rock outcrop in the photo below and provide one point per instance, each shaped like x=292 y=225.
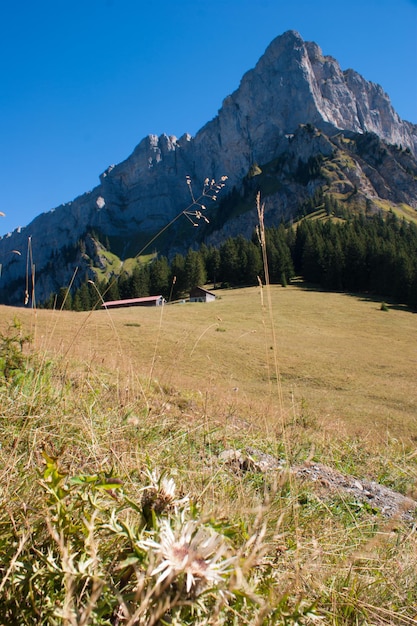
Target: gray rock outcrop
x=292 y=84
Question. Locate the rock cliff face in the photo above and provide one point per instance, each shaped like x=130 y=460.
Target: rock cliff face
x=292 y=85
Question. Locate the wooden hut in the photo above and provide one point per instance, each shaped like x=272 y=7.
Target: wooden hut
x=198 y=294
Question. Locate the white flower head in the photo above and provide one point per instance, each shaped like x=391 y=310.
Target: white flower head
x=194 y=551
x=160 y=494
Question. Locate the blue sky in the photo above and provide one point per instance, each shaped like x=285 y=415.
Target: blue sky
x=83 y=81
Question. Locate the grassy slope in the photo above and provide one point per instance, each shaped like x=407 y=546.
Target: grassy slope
x=350 y=364
x=179 y=384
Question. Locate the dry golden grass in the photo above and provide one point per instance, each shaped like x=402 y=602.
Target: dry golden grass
x=349 y=366
x=177 y=385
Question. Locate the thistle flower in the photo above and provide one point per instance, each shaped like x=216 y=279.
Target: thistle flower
x=160 y=495
x=193 y=551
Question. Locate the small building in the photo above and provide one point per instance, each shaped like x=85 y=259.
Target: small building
x=147 y=301
x=198 y=294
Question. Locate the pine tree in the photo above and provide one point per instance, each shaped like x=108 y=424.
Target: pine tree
x=124 y=286
x=313 y=258
x=84 y=297
x=229 y=262
x=112 y=290
x=159 y=283
x=64 y=299
x=254 y=263
x=76 y=302
x=139 y=282
x=213 y=265
x=194 y=268
x=179 y=286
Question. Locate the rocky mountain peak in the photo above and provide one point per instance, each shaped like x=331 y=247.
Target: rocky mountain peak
x=295 y=82
x=293 y=85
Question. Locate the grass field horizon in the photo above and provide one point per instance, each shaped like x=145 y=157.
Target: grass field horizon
x=351 y=365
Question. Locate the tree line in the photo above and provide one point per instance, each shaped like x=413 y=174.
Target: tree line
x=367 y=255
x=375 y=255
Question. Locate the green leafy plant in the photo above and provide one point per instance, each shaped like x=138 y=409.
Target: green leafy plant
x=94 y=555
x=14 y=363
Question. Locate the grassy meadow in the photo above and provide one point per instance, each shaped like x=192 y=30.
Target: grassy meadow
x=103 y=407
x=348 y=365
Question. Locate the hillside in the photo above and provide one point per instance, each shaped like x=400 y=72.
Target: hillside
x=351 y=365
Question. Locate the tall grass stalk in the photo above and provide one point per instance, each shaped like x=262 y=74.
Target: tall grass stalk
x=260 y=206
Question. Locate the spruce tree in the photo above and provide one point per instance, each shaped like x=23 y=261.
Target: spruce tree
x=213 y=265
x=179 y=285
x=159 y=283
x=194 y=268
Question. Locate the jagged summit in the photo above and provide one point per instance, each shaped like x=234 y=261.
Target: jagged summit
x=292 y=85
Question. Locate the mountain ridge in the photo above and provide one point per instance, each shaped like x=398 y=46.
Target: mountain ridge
x=293 y=86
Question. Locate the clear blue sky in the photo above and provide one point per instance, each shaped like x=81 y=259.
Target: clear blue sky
x=83 y=81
